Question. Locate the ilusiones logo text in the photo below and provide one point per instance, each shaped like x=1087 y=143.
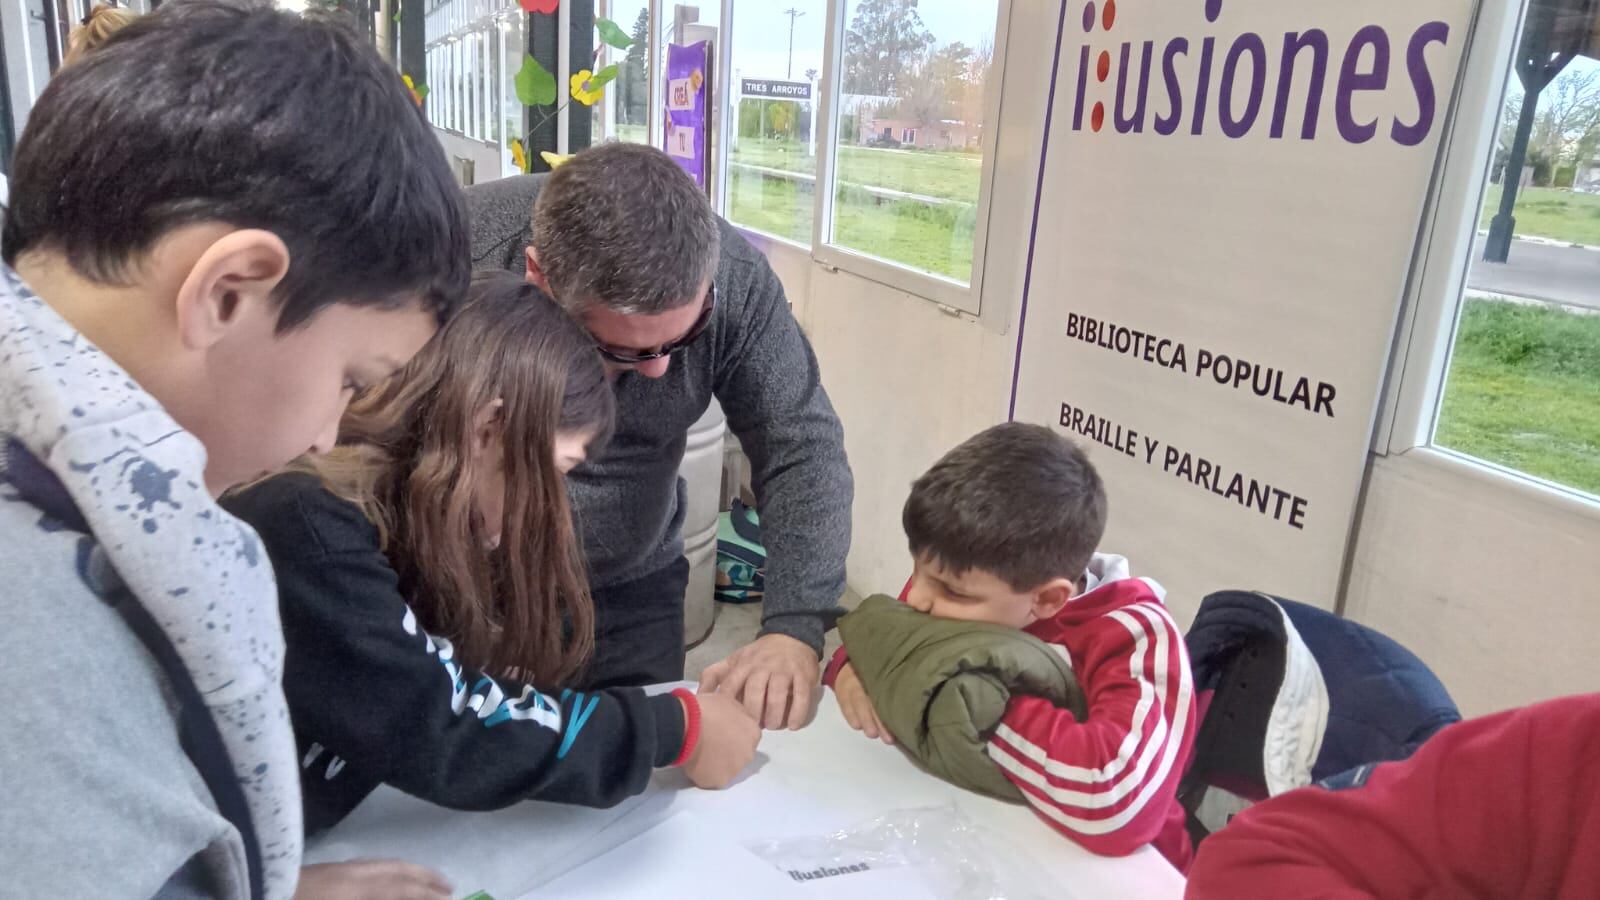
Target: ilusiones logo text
x=1246 y=83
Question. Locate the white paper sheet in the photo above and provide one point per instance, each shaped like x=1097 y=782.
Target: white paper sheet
x=684 y=856
x=899 y=883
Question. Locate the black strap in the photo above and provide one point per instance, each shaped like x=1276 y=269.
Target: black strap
x=197 y=731
x=742 y=526
x=743 y=554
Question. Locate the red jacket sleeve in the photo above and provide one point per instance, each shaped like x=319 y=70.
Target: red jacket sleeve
x=1501 y=806
x=1110 y=781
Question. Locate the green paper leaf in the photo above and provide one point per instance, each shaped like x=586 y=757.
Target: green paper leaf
x=535 y=85
x=612 y=35
x=603 y=77
x=397 y=16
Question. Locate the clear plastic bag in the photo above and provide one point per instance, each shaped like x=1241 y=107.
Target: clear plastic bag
x=934 y=852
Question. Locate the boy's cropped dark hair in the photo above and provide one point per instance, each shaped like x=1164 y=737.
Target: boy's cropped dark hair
x=1017 y=501
x=234 y=112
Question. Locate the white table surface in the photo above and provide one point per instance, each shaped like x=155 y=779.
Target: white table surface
x=806 y=783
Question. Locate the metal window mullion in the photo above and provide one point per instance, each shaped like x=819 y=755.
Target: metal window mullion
x=827 y=111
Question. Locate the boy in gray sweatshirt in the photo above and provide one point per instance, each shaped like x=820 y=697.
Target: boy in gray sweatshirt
x=222 y=223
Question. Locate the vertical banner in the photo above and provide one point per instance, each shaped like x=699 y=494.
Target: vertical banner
x=1230 y=194
x=686 y=107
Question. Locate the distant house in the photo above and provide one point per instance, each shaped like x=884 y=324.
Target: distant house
x=941 y=134
x=1587 y=179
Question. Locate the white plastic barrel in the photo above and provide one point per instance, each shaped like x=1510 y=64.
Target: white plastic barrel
x=702 y=475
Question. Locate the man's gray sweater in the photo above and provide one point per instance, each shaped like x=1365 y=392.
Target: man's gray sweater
x=758 y=364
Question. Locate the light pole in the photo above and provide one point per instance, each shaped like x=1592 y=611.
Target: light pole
x=793 y=14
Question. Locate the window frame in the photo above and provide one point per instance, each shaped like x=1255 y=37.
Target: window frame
x=1426 y=332
x=722 y=105
x=656 y=110
x=946 y=292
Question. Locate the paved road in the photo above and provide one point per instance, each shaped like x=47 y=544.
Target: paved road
x=1568 y=275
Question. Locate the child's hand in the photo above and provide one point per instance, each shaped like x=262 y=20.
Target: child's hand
x=371 y=879
x=728 y=739
x=857 y=706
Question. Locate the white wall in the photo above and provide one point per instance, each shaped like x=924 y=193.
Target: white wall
x=1494 y=585
x=909 y=383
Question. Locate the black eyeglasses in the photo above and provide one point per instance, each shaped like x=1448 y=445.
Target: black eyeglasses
x=625 y=358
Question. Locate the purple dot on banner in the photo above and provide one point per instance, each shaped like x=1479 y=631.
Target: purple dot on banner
x=1213 y=9
x=1088 y=16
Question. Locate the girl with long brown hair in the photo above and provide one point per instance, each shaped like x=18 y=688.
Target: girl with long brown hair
x=429 y=576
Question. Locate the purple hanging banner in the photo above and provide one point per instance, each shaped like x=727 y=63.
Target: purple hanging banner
x=686 y=108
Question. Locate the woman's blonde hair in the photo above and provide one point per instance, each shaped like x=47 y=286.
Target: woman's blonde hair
x=407 y=456
x=98 y=26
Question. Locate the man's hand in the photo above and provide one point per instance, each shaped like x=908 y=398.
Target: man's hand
x=728 y=739
x=371 y=879
x=857 y=706
x=775 y=677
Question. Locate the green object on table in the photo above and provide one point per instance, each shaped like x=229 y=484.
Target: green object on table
x=481 y=895
x=942 y=685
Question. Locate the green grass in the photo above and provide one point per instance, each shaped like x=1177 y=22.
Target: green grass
x=1524 y=391
x=790 y=156
x=1550 y=212
x=948 y=176
x=934 y=238
x=774 y=205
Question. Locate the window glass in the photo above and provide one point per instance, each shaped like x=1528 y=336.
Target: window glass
x=909 y=157
x=1523 y=385
x=513 y=41
x=623 y=114
x=772 y=151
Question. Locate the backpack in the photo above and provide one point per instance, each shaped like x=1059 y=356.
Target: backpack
x=741 y=558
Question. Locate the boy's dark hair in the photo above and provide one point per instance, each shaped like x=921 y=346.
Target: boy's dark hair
x=214 y=111
x=1017 y=501
x=623 y=226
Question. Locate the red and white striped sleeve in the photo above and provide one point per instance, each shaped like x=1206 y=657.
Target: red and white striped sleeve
x=1109 y=782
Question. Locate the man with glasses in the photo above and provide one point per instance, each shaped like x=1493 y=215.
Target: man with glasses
x=682 y=309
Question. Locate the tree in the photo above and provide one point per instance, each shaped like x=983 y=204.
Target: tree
x=970 y=102
x=633 y=86
x=1566 y=127
x=886 y=42
x=781 y=118
x=948 y=85
x=1569 y=108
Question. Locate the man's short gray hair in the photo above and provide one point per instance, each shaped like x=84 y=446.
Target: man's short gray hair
x=623 y=226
